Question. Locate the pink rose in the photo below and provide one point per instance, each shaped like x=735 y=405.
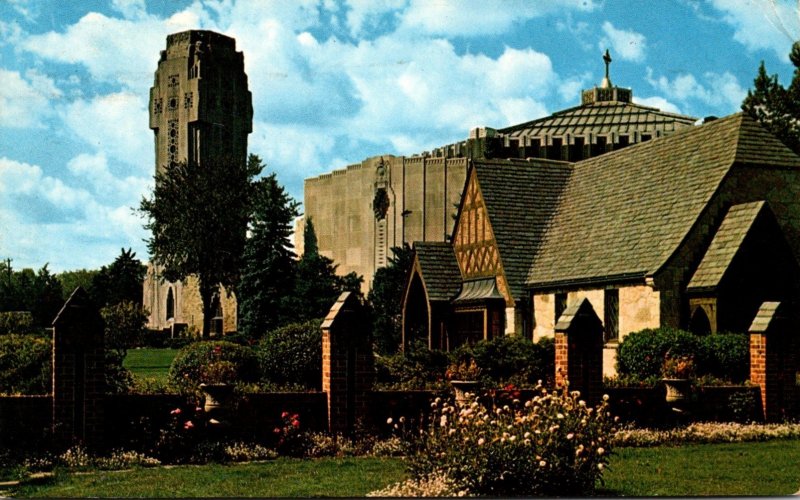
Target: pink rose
x=176 y=411
x=188 y=425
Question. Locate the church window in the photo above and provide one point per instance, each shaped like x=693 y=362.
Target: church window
x=611 y=315
x=172 y=132
x=173 y=103
x=170 y=305
x=188 y=98
x=560 y=304
x=158 y=105
x=173 y=80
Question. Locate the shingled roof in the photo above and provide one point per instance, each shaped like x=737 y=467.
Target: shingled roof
x=623 y=214
x=723 y=248
x=520 y=198
x=439 y=269
x=602 y=118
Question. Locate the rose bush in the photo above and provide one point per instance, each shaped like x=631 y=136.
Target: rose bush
x=554 y=444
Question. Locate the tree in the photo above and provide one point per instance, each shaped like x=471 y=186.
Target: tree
x=70 y=280
x=775 y=107
x=198 y=216
x=268 y=270
x=316 y=284
x=119 y=282
x=38 y=292
x=386 y=299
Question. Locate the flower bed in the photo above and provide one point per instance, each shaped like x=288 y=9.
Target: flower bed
x=705 y=432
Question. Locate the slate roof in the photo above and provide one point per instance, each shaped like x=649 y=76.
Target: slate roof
x=725 y=245
x=623 y=214
x=521 y=197
x=766 y=314
x=479 y=290
x=439 y=269
x=602 y=118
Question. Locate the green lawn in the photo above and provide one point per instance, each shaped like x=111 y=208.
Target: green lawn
x=760 y=469
x=150 y=362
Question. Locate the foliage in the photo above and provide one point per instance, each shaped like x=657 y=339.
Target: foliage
x=680 y=367
x=186 y=369
x=552 y=445
x=198 y=217
x=78 y=458
x=463 y=370
x=386 y=299
x=25 y=364
x=125 y=325
x=416 y=368
x=316 y=284
x=218 y=372
x=725 y=356
x=706 y=432
x=269 y=263
x=70 y=280
x=121 y=281
x=291 y=440
x=20 y=322
x=38 y=292
x=293 y=354
x=777 y=107
x=119 y=380
x=512 y=359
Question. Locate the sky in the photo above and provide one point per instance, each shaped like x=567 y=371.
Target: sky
x=333 y=82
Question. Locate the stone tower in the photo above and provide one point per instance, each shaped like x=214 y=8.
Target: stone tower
x=200 y=106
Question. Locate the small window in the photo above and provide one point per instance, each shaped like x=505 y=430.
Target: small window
x=611 y=315
x=170 y=305
x=561 y=305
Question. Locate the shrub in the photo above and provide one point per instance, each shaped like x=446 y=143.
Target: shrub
x=25 y=364
x=124 y=326
x=186 y=369
x=436 y=484
x=724 y=356
x=512 y=359
x=20 y=322
x=416 y=368
x=293 y=355
x=553 y=445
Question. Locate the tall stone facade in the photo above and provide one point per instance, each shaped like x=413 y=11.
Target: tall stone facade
x=200 y=108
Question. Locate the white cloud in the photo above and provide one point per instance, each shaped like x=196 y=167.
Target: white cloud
x=657 y=102
x=362 y=13
x=95 y=170
x=25 y=101
x=628 y=45
x=130 y=9
x=721 y=91
x=116 y=124
x=469 y=18
x=762 y=24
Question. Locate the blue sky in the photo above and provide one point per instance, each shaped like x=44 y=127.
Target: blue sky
x=333 y=82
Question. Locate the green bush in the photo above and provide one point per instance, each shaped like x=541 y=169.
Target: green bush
x=25 y=364
x=20 y=322
x=186 y=369
x=292 y=355
x=724 y=356
x=512 y=359
x=553 y=445
x=416 y=368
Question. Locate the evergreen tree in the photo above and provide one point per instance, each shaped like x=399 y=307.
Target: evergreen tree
x=198 y=215
x=269 y=263
x=775 y=107
x=119 y=282
x=386 y=299
x=39 y=292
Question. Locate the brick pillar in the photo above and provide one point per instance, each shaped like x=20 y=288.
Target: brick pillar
x=579 y=350
x=773 y=362
x=347 y=363
x=78 y=373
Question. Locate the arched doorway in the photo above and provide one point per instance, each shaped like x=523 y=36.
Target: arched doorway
x=700 y=324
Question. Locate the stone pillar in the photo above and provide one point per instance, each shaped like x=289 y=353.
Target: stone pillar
x=579 y=350
x=347 y=363
x=773 y=361
x=78 y=373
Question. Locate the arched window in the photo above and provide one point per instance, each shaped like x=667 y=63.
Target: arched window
x=700 y=324
x=170 y=305
x=216 y=319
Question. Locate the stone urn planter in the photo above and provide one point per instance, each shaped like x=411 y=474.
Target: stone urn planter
x=217 y=401
x=677 y=392
x=463 y=387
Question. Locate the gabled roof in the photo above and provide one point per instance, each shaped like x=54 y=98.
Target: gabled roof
x=439 y=269
x=625 y=213
x=602 y=118
x=520 y=198
x=726 y=243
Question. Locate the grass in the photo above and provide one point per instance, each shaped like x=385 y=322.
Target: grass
x=278 y=478
x=760 y=469
x=150 y=362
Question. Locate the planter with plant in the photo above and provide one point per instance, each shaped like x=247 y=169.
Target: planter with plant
x=464 y=376
x=677 y=374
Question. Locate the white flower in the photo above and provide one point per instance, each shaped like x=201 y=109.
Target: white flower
x=451 y=432
x=600 y=451
x=559 y=415
x=443 y=421
x=481 y=441
x=527 y=435
x=570 y=435
x=512 y=438
x=605 y=397
x=600 y=466
x=542 y=463
x=527 y=404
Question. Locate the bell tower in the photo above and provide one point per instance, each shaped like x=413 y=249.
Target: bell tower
x=200 y=106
